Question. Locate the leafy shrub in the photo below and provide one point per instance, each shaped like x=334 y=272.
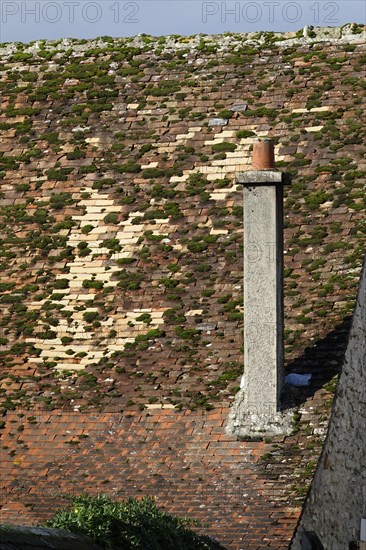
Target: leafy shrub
x=27 y=111
x=6 y=286
x=150 y=236
x=87 y=381
x=130 y=524
x=165 y=88
x=126 y=261
x=88 y=169
x=203 y=268
x=174 y=315
x=8 y=163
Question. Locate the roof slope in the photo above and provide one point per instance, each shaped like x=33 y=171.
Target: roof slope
x=184 y=459
x=122 y=234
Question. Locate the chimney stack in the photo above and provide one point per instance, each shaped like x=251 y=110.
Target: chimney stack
x=257 y=407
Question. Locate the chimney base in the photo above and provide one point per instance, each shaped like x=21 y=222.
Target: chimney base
x=248 y=421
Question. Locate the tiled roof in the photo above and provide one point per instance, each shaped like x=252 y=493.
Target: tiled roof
x=185 y=459
x=122 y=234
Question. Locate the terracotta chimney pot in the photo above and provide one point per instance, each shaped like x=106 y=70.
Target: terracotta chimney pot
x=263 y=155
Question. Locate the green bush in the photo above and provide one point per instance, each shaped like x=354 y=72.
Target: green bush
x=130 y=524
x=88 y=169
x=172 y=209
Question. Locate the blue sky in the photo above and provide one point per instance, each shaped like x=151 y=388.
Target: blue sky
x=26 y=20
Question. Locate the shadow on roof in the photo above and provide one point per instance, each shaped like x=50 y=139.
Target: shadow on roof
x=323 y=361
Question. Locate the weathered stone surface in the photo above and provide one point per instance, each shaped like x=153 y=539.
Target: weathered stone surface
x=259 y=177
x=21 y=537
x=239 y=107
x=336 y=501
x=248 y=418
x=256 y=407
x=217 y=122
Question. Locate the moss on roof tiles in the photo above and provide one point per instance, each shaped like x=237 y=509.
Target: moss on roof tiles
x=108 y=162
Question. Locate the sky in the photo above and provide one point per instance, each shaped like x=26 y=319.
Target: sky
x=27 y=20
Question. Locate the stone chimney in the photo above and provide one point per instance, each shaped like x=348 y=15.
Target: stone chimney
x=257 y=409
